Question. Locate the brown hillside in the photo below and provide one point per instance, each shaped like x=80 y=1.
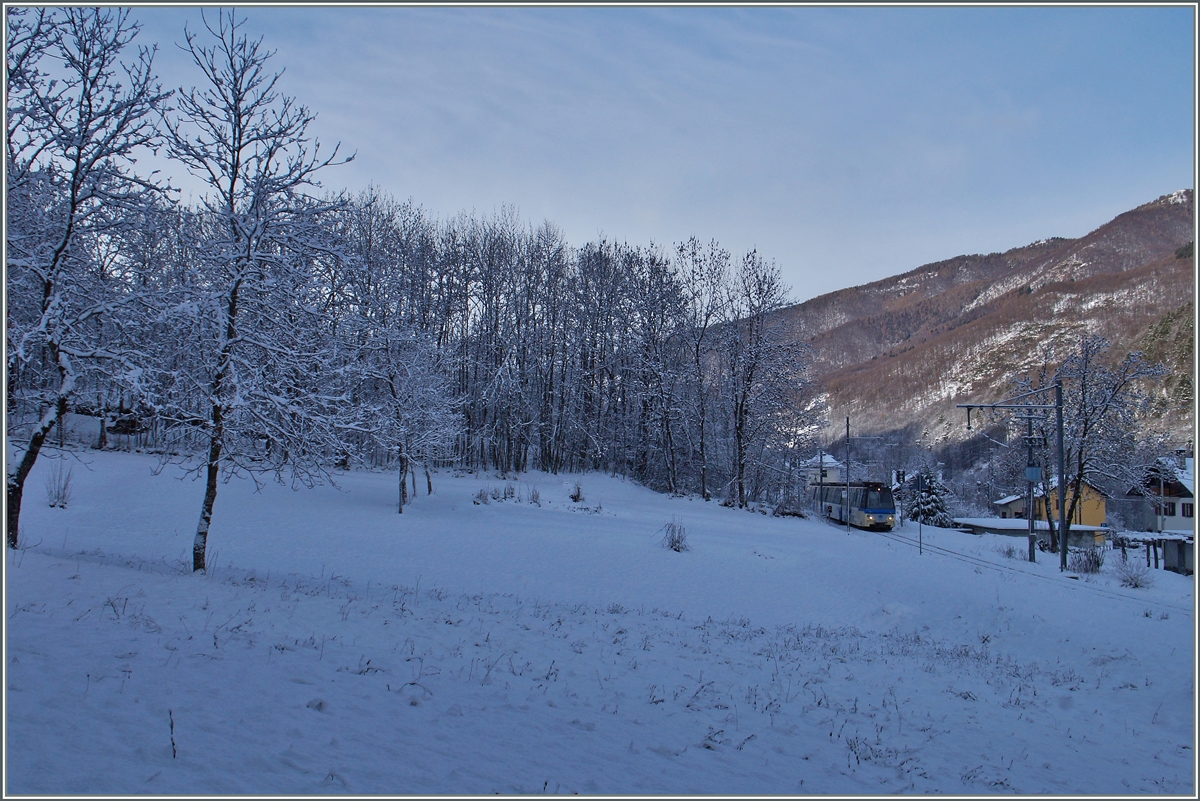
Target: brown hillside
x=901 y=352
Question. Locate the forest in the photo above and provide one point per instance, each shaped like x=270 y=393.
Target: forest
x=277 y=329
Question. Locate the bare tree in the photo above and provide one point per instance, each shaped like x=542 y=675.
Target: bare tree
x=251 y=309
x=71 y=143
x=705 y=273
x=1103 y=408
x=396 y=381
x=761 y=364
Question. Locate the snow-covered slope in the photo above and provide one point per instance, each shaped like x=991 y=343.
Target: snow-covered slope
x=510 y=647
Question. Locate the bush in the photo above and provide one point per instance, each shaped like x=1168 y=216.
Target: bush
x=1008 y=551
x=535 y=497
x=58 y=486
x=675 y=537
x=577 y=493
x=1086 y=560
x=1134 y=574
x=481 y=497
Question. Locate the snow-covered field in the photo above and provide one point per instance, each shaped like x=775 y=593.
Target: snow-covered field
x=337 y=647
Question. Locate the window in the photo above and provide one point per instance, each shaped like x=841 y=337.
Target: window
x=1188 y=510
x=1165 y=509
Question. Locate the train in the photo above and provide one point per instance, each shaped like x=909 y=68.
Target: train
x=870 y=504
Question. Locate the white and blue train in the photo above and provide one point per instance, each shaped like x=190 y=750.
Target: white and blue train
x=869 y=504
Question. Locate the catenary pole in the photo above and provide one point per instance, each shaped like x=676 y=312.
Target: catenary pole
x=821 y=484
x=846 y=500
x=1029 y=478
x=1062 y=487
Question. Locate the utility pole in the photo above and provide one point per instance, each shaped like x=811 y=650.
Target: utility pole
x=1062 y=478
x=846 y=500
x=920 y=517
x=1033 y=473
x=821 y=482
x=1057 y=406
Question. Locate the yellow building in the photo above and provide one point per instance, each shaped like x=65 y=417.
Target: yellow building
x=1091 y=510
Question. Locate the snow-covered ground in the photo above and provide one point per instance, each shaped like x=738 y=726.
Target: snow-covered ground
x=337 y=647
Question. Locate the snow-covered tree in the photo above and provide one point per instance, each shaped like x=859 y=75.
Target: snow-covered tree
x=1102 y=406
x=251 y=379
x=396 y=383
x=71 y=193
x=766 y=372
x=927 y=502
x=704 y=272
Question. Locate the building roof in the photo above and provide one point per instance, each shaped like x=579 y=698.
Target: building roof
x=1008 y=499
x=1037 y=490
x=824 y=460
x=1187 y=475
x=1177 y=481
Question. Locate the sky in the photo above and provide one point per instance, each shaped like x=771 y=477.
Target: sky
x=847 y=144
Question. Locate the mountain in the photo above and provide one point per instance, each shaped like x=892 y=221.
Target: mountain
x=896 y=355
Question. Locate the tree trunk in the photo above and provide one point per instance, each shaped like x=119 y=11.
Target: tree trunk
x=739 y=431
x=672 y=482
x=16 y=481
x=200 y=544
x=703 y=456
x=428 y=479
x=403 y=467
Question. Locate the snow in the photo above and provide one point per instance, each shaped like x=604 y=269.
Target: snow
x=461 y=648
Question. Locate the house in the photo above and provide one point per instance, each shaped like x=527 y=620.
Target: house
x=1091 y=511
x=1011 y=507
x=1168 y=495
x=822 y=469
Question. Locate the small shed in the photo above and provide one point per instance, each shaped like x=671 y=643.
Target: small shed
x=1011 y=507
x=1178 y=554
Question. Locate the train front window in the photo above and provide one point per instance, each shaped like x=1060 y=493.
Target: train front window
x=880 y=499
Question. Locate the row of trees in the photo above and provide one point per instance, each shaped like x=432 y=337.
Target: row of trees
x=273 y=330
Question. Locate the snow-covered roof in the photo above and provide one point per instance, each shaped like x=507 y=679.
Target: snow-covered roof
x=1008 y=499
x=1185 y=474
x=824 y=460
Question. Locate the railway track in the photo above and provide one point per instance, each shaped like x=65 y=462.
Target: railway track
x=1074 y=583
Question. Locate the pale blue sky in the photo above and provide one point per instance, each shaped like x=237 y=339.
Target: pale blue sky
x=848 y=144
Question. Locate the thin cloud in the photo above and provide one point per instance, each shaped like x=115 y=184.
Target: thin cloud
x=847 y=143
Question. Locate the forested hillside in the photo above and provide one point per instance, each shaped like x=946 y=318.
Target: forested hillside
x=898 y=354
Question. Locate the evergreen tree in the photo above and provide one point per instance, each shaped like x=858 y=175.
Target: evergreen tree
x=928 y=503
